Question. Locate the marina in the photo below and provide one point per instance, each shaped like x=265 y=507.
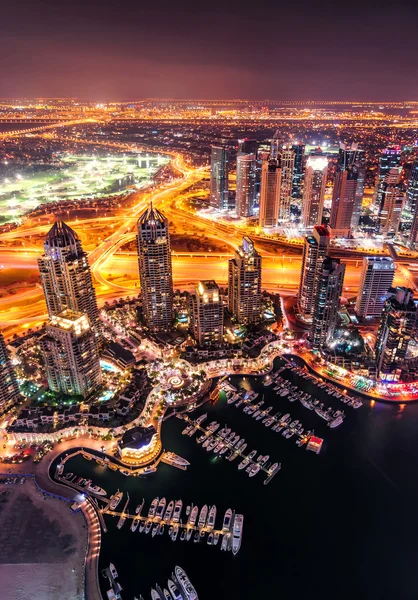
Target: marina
x=225 y=440
x=165 y=517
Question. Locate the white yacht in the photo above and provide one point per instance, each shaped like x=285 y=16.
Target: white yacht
x=115 y=499
x=202 y=516
x=174 y=590
x=237 y=533
x=169 y=511
x=193 y=516
x=226 y=526
x=153 y=507
x=211 y=517
x=185 y=584
x=177 y=511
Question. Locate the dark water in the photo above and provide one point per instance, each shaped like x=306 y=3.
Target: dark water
x=338 y=525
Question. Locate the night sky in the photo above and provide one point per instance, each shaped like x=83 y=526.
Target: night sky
x=225 y=49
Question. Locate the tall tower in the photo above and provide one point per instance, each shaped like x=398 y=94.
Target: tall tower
x=70 y=354
x=376 y=278
x=327 y=294
x=315 y=249
x=314 y=190
x=155 y=269
x=390 y=158
x=246 y=184
x=271 y=176
x=412 y=188
x=9 y=389
x=391 y=203
x=298 y=171
x=65 y=274
x=219 y=172
x=345 y=190
x=244 y=283
x=287 y=163
x=207 y=314
x=395 y=331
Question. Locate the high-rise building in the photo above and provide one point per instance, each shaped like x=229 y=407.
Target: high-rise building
x=246 y=184
x=9 y=389
x=396 y=328
x=360 y=166
x=275 y=145
x=287 y=163
x=207 y=314
x=299 y=169
x=376 y=278
x=244 y=283
x=219 y=174
x=412 y=187
x=390 y=158
x=345 y=190
x=70 y=354
x=391 y=203
x=328 y=289
x=155 y=269
x=65 y=274
x=271 y=176
x=314 y=190
x=315 y=249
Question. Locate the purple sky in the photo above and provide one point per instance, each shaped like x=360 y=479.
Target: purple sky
x=268 y=49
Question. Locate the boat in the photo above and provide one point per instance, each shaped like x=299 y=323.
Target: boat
x=96 y=489
x=336 y=422
x=166 y=594
x=223 y=450
x=161 y=529
x=174 y=590
x=206 y=442
x=323 y=414
x=211 y=517
x=216 y=538
x=226 y=526
x=273 y=468
x=202 y=516
x=153 y=507
x=113 y=571
x=175 y=532
x=243 y=463
x=193 y=516
x=140 y=507
x=225 y=541
x=141 y=526
x=237 y=533
x=155 y=529
x=177 y=511
x=134 y=525
x=148 y=526
x=185 y=584
x=254 y=469
x=155 y=595
x=189 y=533
x=174 y=459
x=160 y=510
x=115 y=499
x=200 y=419
x=169 y=511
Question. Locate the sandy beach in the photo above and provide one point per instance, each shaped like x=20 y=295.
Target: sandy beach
x=42 y=546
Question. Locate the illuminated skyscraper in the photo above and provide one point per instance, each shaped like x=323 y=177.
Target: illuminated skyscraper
x=9 y=389
x=207 y=314
x=328 y=289
x=412 y=188
x=390 y=158
x=315 y=249
x=246 y=184
x=155 y=270
x=395 y=331
x=244 y=283
x=287 y=163
x=314 y=190
x=219 y=173
x=270 y=193
x=376 y=279
x=70 y=354
x=345 y=190
x=247 y=146
x=391 y=203
x=65 y=274
x=298 y=171
x=360 y=166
